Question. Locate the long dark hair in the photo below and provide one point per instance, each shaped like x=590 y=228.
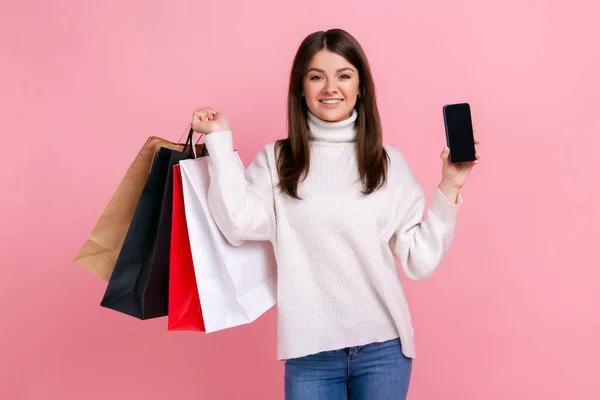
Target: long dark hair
x=293 y=153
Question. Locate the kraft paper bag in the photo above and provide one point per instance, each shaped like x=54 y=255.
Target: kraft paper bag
x=100 y=251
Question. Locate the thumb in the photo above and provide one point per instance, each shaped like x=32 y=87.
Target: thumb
x=445 y=154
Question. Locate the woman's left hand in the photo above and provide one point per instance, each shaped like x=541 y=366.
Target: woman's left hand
x=455 y=175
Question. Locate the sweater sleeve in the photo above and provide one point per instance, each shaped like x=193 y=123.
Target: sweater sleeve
x=240 y=200
x=421 y=243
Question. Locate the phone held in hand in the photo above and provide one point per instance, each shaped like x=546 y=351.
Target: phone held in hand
x=459 y=132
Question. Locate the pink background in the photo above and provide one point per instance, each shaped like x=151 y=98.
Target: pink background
x=512 y=313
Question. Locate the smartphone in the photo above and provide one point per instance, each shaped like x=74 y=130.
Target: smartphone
x=459 y=132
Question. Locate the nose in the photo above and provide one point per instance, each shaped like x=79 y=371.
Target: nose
x=330 y=88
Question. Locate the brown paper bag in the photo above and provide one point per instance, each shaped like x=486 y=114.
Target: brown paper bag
x=99 y=253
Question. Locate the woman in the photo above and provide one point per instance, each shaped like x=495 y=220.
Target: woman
x=338 y=205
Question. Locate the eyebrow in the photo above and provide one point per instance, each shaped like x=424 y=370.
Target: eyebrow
x=339 y=70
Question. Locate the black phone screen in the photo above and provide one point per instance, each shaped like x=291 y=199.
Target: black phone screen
x=459 y=132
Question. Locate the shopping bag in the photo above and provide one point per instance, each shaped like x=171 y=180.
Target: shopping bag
x=236 y=285
x=139 y=283
x=185 y=312
x=100 y=251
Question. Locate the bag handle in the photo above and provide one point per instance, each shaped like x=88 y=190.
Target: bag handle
x=190 y=140
x=184 y=132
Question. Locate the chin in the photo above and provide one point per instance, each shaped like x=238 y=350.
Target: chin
x=332 y=115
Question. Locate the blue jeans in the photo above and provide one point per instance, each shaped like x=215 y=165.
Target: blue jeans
x=375 y=371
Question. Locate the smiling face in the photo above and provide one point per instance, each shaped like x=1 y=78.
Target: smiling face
x=330 y=86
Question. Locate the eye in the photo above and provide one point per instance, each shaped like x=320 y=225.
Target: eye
x=314 y=78
x=346 y=76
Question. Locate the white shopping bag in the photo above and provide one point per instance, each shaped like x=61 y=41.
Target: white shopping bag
x=236 y=285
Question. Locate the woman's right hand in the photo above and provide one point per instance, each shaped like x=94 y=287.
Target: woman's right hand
x=208 y=120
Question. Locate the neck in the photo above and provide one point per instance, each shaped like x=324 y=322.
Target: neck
x=333 y=132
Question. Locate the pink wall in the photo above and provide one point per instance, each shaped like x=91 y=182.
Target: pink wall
x=513 y=312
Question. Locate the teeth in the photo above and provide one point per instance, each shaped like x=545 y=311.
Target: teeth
x=330 y=101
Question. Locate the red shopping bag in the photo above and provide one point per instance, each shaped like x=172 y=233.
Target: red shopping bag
x=185 y=312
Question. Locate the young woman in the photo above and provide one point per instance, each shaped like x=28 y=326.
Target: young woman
x=338 y=205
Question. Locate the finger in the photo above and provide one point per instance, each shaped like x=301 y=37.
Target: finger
x=445 y=153
x=476 y=141
x=445 y=156
x=477 y=156
x=200 y=110
x=210 y=113
x=202 y=113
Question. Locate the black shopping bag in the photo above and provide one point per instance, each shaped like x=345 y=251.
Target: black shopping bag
x=139 y=284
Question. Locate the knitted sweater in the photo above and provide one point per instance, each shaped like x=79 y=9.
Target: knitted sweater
x=338 y=284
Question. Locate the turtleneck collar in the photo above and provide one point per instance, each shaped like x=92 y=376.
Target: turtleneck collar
x=333 y=132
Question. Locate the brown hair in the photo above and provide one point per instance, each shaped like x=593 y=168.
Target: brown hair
x=293 y=153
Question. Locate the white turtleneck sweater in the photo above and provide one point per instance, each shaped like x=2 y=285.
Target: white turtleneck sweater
x=338 y=283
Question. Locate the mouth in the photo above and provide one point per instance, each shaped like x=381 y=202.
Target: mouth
x=331 y=101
